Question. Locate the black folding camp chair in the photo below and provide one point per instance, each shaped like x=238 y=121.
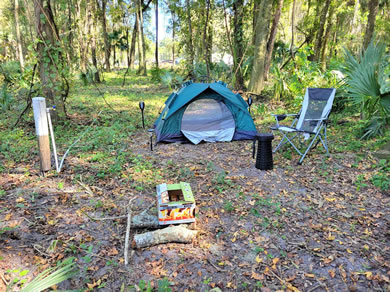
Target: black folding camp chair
x=311 y=121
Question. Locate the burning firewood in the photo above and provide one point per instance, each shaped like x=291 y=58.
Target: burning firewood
x=178 y=233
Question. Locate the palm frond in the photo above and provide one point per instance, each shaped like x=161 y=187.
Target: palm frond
x=50 y=277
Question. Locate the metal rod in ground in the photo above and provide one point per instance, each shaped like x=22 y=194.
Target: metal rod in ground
x=143 y=120
x=53 y=142
x=42 y=132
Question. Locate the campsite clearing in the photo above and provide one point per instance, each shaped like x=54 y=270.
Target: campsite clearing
x=322 y=225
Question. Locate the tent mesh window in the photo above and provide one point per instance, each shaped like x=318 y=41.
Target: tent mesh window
x=207 y=115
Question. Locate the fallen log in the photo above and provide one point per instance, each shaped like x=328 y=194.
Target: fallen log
x=178 y=233
x=144 y=221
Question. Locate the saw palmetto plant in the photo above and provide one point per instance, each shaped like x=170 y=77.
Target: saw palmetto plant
x=368 y=85
x=49 y=278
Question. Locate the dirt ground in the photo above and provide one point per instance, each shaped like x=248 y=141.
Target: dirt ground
x=306 y=228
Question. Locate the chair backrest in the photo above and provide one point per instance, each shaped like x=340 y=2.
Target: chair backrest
x=317 y=104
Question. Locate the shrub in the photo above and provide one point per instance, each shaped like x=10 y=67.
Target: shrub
x=368 y=87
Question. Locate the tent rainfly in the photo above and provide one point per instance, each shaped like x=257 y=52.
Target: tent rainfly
x=208 y=112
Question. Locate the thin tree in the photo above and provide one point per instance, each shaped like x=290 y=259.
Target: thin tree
x=292 y=29
x=327 y=36
x=190 y=45
x=205 y=42
x=93 y=43
x=272 y=37
x=373 y=7
x=141 y=56
x=18 y=36
x=173 y=16
x=320 y=33
x=107 y=45
x=256 y=83
x=156 y=52
x=238 y=41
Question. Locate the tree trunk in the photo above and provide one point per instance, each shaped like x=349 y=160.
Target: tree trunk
x=190 y=50
x=114 y=56
x=319 y=38
x=326 y=37
x=85 y=38
x=292 y=29
x=70 y=33
x=133 y=41
x=93 y=43
x=18 y=36
x=238 y=41
x=256 y=83
x=354 y=19
x=228 y=33
x=173 y=37
x=48 y=52
x=205 y=41
x=141 y=26
x=271 y=39
x=141 y=56
x=107 y=46
x=210 y=35
x=256 y=7
x=156 y=52
x=373 y=7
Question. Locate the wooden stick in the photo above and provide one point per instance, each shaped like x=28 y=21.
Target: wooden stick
x=126 y=255
x=127 y=236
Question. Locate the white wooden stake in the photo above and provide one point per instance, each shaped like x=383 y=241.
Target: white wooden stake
x=42 y=131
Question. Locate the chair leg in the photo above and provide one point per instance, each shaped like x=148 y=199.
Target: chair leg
x=308 y=148
x=284 y=141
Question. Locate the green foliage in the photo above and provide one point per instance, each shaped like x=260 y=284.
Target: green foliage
x=367 y=84
x=156 y=73
x=228 y=206
x=88 y=77
x=5 y=98
x=46 y=279
x=171 y=79
x=289 y=83
x=381 y=179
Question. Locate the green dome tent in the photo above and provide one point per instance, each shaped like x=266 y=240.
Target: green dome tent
x=204 y=112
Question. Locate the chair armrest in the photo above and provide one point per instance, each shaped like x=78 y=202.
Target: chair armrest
x=281 y=117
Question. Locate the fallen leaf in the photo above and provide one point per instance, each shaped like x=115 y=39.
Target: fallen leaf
x=330 y=237
x=258 y=259
x=292 y=288
x=19 y=200
x=257 y=276
x=275 y=261
x=332 y=273
x=368 y=275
